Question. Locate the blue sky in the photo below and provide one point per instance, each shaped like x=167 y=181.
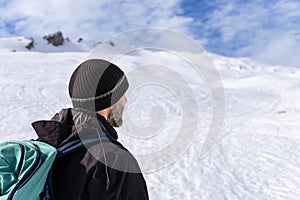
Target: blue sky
x=268 y=30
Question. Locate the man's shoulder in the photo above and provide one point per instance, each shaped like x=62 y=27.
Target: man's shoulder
x=115 y=156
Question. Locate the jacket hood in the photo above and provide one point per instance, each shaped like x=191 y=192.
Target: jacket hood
x=70 y=124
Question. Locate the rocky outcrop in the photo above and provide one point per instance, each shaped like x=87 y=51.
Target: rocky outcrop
x=30 y=45
x=55 y=39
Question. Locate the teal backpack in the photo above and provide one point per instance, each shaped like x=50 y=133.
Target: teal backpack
x=25 y=167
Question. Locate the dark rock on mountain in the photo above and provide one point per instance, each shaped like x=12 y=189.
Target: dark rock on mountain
x=111 y=43
x=30 y=45
x=55 y=39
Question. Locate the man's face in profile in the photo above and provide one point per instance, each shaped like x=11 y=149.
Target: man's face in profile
x=115 y=116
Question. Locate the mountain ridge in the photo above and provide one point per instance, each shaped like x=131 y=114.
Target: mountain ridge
x=43 y=44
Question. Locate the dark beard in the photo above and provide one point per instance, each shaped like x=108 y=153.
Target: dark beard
x=115 y=116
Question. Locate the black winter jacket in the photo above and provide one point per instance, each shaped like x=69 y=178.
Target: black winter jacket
x=104 y=171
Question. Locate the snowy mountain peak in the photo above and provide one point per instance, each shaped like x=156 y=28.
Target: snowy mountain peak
x=55 y=42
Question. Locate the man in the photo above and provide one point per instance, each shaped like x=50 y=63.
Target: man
x=105 y=170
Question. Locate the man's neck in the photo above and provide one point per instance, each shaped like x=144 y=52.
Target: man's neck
x=105 y=113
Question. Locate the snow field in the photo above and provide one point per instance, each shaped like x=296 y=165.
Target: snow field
x=256 y=156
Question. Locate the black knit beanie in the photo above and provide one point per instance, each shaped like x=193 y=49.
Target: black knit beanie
x=97 y=84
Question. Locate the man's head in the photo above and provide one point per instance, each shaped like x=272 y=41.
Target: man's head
x=99 y=85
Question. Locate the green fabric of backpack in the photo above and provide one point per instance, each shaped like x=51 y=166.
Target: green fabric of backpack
x=24 y=167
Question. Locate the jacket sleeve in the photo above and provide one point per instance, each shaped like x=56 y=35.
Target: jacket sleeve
x=120 y=179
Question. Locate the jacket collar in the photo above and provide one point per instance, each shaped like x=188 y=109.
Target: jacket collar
x=70 y=124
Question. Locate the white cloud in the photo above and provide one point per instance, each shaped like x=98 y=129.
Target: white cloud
x=91 y=19
x=268 y=30
x=280 y=49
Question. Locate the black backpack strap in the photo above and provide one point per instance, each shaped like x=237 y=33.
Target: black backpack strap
x=69 y=148
x=86 y=141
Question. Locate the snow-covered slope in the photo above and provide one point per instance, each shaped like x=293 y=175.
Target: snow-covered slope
x=256 y=157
